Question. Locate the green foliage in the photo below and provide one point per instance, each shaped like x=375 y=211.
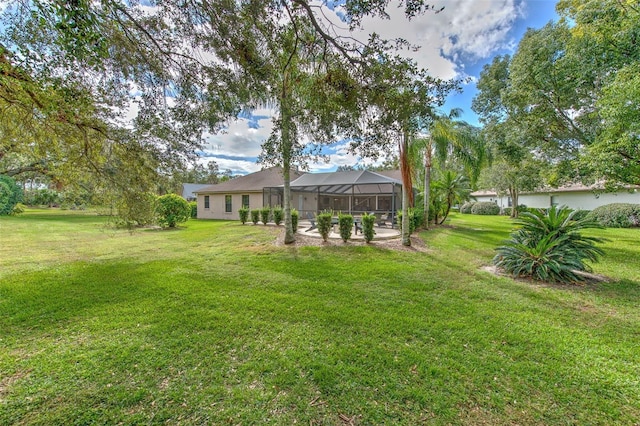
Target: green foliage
x=466 y=207
x=243 y=212
x=485 y=208
x=345 y=224
x=323 y=221
x=294 y=219
x=617 y=215
x=41 y=197
x=549 y=247
x=134 y=209
x=10 y=195
x=172 y=210
x=193 y=205
x=18 y=209
x=368 y=220
x=278 y=215
x=265 y=214
x=416 y=216
x=255 y=216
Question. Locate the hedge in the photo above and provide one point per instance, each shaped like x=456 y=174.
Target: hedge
x=485 y=208
x=617 y=215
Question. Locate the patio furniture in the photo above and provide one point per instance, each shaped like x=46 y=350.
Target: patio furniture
x=312 y=220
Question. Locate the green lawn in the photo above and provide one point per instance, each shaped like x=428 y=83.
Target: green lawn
x=214 y=324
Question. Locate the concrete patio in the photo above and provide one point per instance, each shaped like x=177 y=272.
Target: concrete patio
x=381 y=232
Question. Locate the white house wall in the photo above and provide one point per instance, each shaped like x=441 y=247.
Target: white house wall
x=575 y=200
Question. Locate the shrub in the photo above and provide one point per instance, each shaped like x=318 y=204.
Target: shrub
x=172 y=209
x=617 y=215
x=294 y=219
x=485 y=208
x=265 y=214
x=466 y=207
x=506 y=211
x=345 y=223
x=323 y=221
x=368 y=221
x=243 y=212
x=18 y=209
x=415 y=219
x=278 y=215
x=10 y=195
x=41 y=197
x=255 y=216
x=193 y=205
x=549 y=247
x=581 y=214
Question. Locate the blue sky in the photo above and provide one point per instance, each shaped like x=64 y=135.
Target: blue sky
x=456 y=43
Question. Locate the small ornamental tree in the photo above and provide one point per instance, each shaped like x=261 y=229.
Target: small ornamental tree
x=324 y=224
x=345 y=223
x=243 y=212
x=367 y=227
x=265 y=214
x=294 y=219
x=549 y=247
x=278 y=215
x=255 y=216
x=172 y=209
x=10 y=195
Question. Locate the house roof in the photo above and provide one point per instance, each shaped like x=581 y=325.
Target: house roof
x=253 y=182
x=189 y=189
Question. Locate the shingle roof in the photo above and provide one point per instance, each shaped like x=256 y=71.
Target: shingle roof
x=189 y=189
x=253 y=182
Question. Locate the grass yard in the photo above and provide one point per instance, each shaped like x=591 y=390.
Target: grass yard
x=215 y=324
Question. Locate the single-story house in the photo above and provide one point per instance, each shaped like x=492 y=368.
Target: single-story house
x=353 y=192
x=189 y=190
x=577 y=197
x=222 y=200
x=350 y=192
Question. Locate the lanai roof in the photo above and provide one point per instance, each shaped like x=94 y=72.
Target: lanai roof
x=341 y=182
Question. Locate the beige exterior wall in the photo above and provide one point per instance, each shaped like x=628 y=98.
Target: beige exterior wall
x=216 y=208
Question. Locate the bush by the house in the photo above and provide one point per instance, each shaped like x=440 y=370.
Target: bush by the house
x=368 y=221
x=549 y=246
x=243 y=212
x=345 y=223
x=486 y=208
x=581 y=214
x=506 y=211
x=135 y=209
x=172 y=210
x=265 y=214
x=466 y=207
x=193 y=205
x=617 y=215
x=10 y=194
x=255 y=216
x=294 y=219
x=278 y=215
x=415 y=219
x=323 y=221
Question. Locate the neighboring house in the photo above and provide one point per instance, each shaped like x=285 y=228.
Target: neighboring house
x=577 y=197
x=223 y=200
x=189 y=190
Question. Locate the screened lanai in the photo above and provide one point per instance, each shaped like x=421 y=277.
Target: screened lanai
x=353 y=192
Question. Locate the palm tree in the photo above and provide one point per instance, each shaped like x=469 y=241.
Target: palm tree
x=454 y=189
x=448 y=137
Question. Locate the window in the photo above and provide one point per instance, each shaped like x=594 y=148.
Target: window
x=206 y=201
x=245 y=201
x=227 y=203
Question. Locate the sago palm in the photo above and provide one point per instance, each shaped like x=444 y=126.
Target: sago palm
x=550 y=247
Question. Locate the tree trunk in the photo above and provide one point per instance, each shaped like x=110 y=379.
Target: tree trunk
x=513 y=192
x=427 y=183
x=406 y=180
x=285 y=116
